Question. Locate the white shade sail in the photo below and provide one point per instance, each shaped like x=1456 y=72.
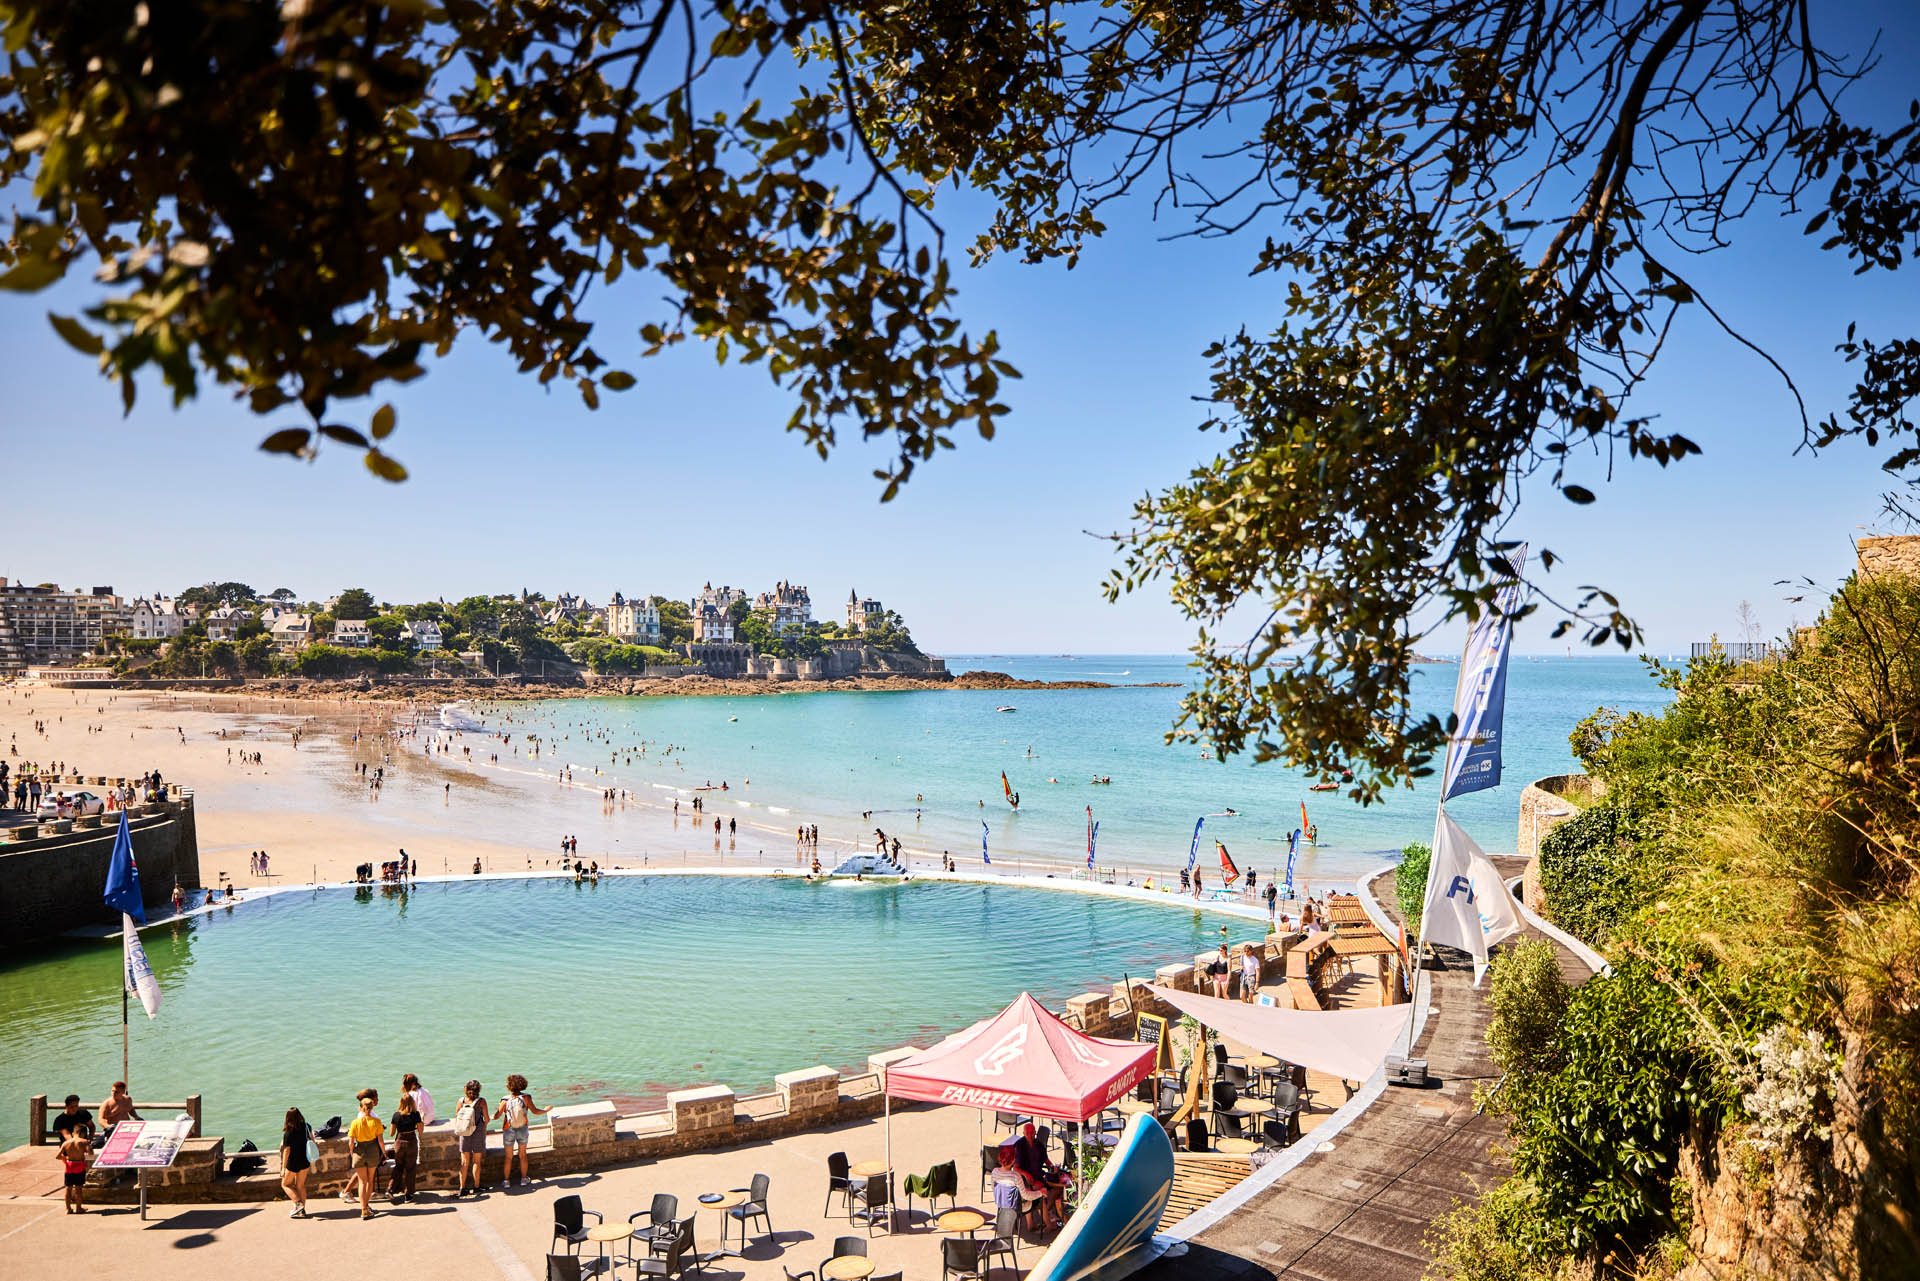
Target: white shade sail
x=1348 y=1044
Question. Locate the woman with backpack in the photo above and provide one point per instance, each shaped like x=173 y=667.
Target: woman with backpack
x=296 y=1136
x=470 y=1126
x=516 y=1110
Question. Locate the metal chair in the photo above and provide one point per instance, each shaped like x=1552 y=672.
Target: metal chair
x=989 y=1162
x=691 y=1254
x=941 y=1181
x=569 y=1221
x=1276 y=1134
x=755 y=1208
x=874 y=1196
x=1228 y=1125
x=1008 y=1120
x=563 y=1267
x=1006 y=1237
x=1238 y=1077
x=837 y=1180
x=960 y=1257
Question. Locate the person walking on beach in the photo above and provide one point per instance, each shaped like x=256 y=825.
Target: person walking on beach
x=1249 y=974
x=406 y=1149
x=294 y=1136
x=1273 y=902
x=517 y=1109
x=470 y=1129
x=365 y=1135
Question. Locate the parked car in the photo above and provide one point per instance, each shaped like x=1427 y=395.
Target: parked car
x=71 y=805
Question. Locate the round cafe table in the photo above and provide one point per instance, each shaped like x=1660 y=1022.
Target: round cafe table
x=1254 y=1062
x=1133 y=1107
x=967 y=1221
x=1249 y=1107
x=1235 y=1147
x=847 y=1267
x=606 y=1234
x=867 y=1169
x=724 y=1201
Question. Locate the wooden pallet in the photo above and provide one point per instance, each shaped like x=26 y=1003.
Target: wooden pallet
x=1198 y=1179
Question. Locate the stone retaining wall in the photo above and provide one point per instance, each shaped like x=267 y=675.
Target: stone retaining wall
x=51 y=874
x=1545 y=804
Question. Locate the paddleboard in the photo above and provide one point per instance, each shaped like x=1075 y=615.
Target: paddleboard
x=1121 y=1210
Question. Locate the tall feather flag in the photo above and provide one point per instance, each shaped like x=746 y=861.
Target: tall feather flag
x=1193 y=852
x=1227 y=869
x=1293 y=854
x=123 y=894
x=984 y=856
x=1093 y=834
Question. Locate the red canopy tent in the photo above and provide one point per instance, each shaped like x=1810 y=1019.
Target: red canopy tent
x=1023 y=1059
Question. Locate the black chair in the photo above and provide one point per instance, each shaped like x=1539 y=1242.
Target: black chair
x=960 y=1257
x=843 y=1246
x=1197 y=1136
x=563 y=1267
x=1224 y=1095
x=837 y=1181
x=1277 y=1134
x=1220 y=1053
x=887 y=1276
x=1008 y=1120
x=755 y=1208
x=989 y=1162
x=808 y=1275
x=661 y=1222
x=1228 y=1125
x=1236 y=1076
x=941 y=1181
x=569 y=1221
x=1006 y=1237
x=672 y=1255
x=874 y=1196
x=692 y=1255
x=1300 y=1082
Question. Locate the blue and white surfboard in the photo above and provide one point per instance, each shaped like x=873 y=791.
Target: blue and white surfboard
x=1120 y=1211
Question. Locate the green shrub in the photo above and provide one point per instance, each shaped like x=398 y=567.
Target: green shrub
x=1595 y=869
x=1482 y=1240
x=1410 y=884
x=1528 y=999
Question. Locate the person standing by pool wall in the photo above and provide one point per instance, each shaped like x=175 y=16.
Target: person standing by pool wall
x=294 y=1136
x=422 y=1098
x=369 y=1148
x=406 y=1149
x=74 y=1154
x=470 y=1127
x=1219 y=969
x=517 y=1109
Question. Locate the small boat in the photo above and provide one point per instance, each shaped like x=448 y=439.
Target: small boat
x=732 y=719
x=1323 y=787
x=1006 y=709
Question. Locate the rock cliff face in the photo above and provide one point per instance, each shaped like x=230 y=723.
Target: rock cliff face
x=1845 y=1205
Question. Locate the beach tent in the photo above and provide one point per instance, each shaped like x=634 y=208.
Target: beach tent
x=1348 y=1044
x=1023 y=1059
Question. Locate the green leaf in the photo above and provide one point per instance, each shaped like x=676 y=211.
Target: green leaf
x=32 y=274
x=383 y=422
x=78 y=336
x=345 y=435
x=1577 y=493
x=384 y=467
x=617 y=380
x=288 y=440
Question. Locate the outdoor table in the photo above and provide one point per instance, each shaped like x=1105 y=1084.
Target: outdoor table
x=1235 y=1147
x=1133 y=1107
x=1249 y=1107
x=1254 y=1062
x=847 y=1267
x=867 y=1169
x=724 y=1201
x=606 y=1234
x=967 y=1221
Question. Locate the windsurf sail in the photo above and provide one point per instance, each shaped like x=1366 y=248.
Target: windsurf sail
x=1227 y=869
x=1007 y=787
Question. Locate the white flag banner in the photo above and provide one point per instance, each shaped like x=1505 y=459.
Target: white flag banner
x=139 y=975
x=1467 y=903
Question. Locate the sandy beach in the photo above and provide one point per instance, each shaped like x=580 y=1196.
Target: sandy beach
x=442 y=797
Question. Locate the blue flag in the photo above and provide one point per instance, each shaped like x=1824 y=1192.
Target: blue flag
x=123 y=877
x=984 y=856
x=1193 y=854
x=1480 y=695
x=1293 y=853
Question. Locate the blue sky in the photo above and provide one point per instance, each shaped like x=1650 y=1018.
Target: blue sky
x=690 y=477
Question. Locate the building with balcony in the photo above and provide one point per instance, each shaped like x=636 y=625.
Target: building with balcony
x=46 y=627
x=634 y=621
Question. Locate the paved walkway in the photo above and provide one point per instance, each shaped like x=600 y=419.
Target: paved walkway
x=1363 y=1209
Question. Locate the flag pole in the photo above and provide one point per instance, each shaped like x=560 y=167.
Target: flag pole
x=123 y=1014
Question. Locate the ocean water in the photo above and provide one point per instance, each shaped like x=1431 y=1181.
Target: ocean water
x=927 y=765
x=622 y=989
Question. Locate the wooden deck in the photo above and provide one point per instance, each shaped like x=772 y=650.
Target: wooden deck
x=1198 y=1179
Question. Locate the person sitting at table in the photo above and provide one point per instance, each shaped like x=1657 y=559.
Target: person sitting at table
x=1031 y=1157
x=1009 y=1178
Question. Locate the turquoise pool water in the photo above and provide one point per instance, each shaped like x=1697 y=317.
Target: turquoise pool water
x=622 y=990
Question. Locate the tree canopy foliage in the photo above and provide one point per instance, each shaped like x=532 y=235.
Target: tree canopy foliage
x=1478 y=215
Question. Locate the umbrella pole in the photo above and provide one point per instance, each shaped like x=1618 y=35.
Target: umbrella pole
x=887 y=1125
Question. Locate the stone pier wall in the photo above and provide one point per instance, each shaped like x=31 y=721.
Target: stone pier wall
x=51 y=873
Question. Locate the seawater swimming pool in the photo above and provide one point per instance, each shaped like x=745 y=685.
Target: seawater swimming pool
x=622 y=989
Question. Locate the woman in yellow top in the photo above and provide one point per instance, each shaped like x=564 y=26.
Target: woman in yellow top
x=369 y=1151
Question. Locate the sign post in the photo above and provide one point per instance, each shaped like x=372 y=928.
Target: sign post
x=144 y=1145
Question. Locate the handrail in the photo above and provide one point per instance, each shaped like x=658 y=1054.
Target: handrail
x=38 y=1115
